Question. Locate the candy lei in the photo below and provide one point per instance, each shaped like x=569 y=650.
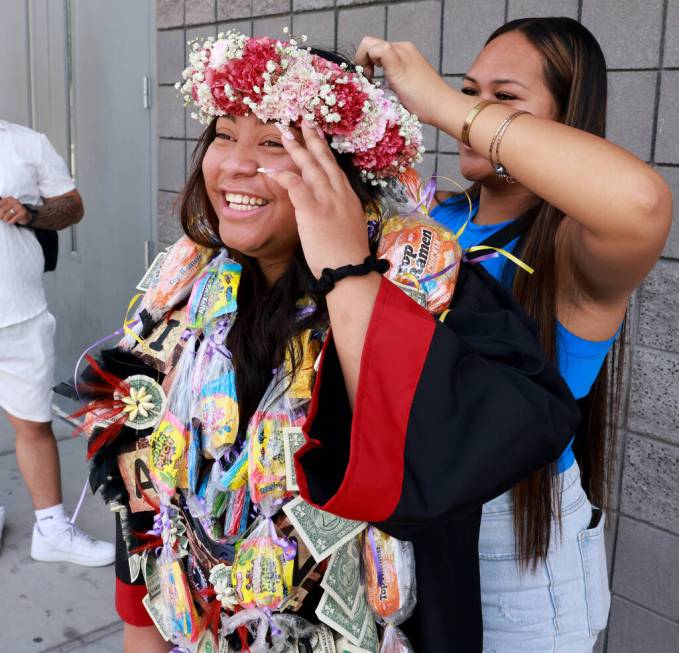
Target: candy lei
x=244 y=486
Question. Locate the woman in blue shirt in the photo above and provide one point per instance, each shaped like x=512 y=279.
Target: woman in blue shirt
x=597 y=219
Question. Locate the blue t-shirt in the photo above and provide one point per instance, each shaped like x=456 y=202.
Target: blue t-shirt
x=579 y=360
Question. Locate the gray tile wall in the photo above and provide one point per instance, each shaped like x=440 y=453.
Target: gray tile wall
x=641 y=44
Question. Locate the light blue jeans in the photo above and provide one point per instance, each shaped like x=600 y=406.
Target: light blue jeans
x=563 y=604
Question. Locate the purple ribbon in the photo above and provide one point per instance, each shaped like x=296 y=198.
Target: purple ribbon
x=289 y=546
x=101 y=341
x=80 y=502
x=479 y=259
x=430 y=277
x=378 y=564
x=275 y=630
x=427 y=195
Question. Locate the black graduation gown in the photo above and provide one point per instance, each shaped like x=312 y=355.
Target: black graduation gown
x=448 y=415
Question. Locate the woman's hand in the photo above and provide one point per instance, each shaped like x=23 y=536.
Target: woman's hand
x=418 y=86
x=330 y=217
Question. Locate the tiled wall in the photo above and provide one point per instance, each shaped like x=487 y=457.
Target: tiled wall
x=641 y=44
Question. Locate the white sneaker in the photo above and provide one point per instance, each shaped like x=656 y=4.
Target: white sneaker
x=71 y=545
x=2 y=523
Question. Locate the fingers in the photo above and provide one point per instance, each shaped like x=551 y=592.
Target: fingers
x=318 y=146
x=10 y=210
x=377 y=52
x=312 y=171
x=298 y=191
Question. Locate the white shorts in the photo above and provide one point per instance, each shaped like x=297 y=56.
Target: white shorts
x=27 y=368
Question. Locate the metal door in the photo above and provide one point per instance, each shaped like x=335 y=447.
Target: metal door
x=101 y=259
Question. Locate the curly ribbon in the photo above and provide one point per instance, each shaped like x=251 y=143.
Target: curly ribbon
x=127 y=323
x=426 y=195
x=101 y=341
x=509 y=255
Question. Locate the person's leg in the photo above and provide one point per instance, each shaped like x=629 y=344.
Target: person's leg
x=38 y=460
x=26 y=380
x=145 y=638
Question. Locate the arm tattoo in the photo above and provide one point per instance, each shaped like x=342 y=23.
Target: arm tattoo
x=58 y=213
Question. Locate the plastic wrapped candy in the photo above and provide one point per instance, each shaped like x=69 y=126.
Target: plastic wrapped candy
x=261 y=574
x=184 y=261
x=424 y=259
x=216 y=405
x=281 y=407
x=169 y=440
x=390 y=587
x=214 y=293
x=394 y=641
x=176 y=593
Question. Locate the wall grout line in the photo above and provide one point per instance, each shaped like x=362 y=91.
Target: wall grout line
x=658 y=81
x=645 y=608
x=640 y=520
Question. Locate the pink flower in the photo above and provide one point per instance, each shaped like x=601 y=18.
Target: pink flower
x=381 y=157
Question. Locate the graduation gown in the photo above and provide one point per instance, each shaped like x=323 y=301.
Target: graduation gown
x=448 y=415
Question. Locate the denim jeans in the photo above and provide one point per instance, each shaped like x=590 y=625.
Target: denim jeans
x=563 y=603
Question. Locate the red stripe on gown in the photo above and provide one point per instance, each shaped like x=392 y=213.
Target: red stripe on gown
x=396 y=346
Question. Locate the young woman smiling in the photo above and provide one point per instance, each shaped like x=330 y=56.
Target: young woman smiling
x=412 y=450
x=594 y=220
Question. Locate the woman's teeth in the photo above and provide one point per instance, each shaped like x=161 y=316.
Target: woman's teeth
x=244 y=202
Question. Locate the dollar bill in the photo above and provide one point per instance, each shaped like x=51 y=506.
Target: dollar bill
x=153 y=607
x=134 y=561
x=343 y=645
x=342 y=579
x=331 y=614
x=321 y=640
x=150 y=277
x=370 y=642
x=293 y=439
x=207 y=644
x=322 y=532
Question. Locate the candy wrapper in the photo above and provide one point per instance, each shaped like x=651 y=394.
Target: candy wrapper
x=214 y=293
x=177 y=599
x=390 y=588
x=261 y=575
x=172 y=284
x=283 y=406
x=394 y=641
x=424 y=259
x=169 y=440
x=215 y=406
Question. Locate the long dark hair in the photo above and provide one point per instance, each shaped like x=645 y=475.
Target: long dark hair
x=575 y=73
x=268 y=316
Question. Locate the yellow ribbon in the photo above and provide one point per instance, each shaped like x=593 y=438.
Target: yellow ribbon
x=460 y=231
x=444 y=315
x=127 y=322
x=511 y=257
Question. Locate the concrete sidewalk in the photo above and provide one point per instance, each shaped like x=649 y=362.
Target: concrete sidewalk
x=53 y=607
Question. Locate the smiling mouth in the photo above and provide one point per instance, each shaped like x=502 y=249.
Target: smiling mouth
x=241 y=202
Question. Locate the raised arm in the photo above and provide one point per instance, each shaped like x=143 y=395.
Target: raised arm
x=622 y=208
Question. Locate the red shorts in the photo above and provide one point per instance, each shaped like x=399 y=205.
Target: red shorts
x=129 y=594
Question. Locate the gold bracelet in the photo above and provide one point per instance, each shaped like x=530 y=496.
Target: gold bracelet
x=494 y=149
x=471 y=117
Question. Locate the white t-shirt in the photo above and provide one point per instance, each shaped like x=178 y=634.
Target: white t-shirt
x=30 y=169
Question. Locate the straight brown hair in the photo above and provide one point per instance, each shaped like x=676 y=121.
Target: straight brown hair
x=575 y=73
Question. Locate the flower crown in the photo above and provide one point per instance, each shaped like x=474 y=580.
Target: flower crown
x=282 y=82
